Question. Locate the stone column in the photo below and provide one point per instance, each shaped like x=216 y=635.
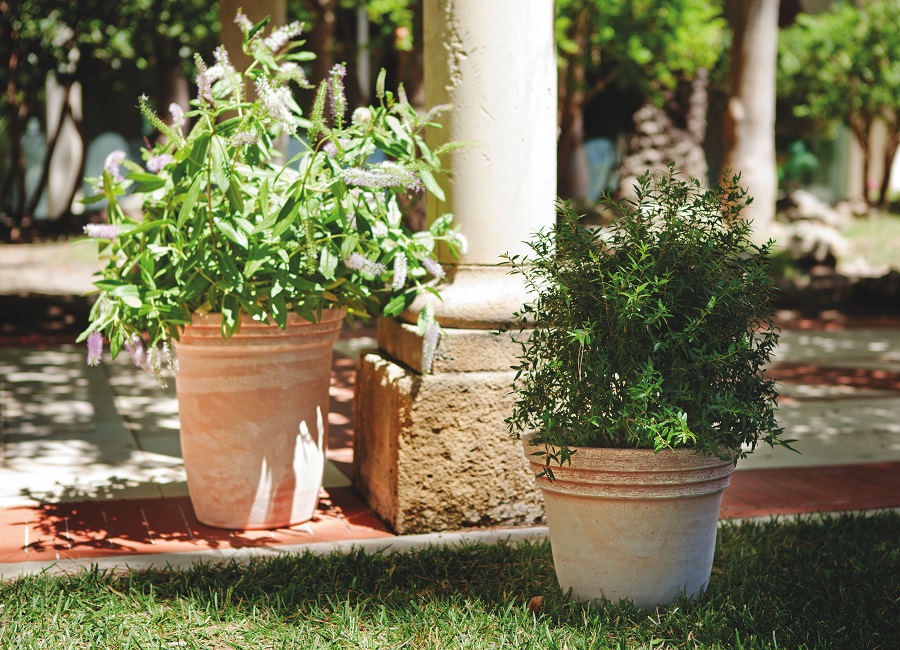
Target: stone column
x=431 y=450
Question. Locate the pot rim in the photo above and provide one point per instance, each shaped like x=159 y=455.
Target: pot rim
x=214 y=318
x=625 y=454
x=633 y=473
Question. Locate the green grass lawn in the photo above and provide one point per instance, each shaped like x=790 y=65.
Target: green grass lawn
x=805 y=583
x=876 y=239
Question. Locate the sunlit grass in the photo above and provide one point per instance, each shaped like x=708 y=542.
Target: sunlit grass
x=808 y=583
x=876 y=239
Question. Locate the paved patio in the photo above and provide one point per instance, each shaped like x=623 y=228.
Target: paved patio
x=91 y=467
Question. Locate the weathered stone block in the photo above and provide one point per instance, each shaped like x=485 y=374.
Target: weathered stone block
x=432 y=452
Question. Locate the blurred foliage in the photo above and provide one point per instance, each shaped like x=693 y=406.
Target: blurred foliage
x=799 y=166
x=843 y=67
x=59 y=36
x=641 y=44
x=393 y=19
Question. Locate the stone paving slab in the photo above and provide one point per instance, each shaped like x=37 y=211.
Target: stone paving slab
x=70 y=432
x=867 y=348
x=63 y=436
x=767 y=492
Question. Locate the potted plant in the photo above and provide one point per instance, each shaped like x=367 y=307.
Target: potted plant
x=641 y=384
x=242 y=265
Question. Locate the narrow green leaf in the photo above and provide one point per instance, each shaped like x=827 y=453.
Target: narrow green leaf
x=243 y=224
x=328 y=263
x=230 y=271
x=348 y=245
x=396 y=306
x=220 y=170
x=129 y=294
x=300 y=56
x=253 y=266
x=258 y=26
x=237 y=236
x=146 y=182
x=187 y=208
x=402 y=134
x=432 y=185
x=426 y=152
x=286 y=217
x=197 y=156
x=230 y=313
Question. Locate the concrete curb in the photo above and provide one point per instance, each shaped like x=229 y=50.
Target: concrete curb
x=189 y=559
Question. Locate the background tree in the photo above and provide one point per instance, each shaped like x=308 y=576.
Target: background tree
x=163 y=35
x=648 y=47
x=843 y=67
x=749 y=132
x=393 y=40
x=101 y=45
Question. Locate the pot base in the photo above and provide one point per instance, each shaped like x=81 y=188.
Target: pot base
x=254 y=419
x=631 y=524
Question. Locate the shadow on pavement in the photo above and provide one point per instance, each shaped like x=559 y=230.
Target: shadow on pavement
x=41 y=319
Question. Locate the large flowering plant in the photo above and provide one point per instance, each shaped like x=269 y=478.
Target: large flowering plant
x=230 y=227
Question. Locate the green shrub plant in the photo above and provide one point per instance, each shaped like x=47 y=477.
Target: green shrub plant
x=653 y=333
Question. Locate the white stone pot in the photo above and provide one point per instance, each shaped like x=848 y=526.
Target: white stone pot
x=631 y=524
x=254 y=418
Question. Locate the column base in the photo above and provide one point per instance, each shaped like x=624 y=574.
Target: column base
x=432 y=452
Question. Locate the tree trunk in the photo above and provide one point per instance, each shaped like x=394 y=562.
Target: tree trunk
x=749 y=132
x=16 y=115
x=171 y=87
x=672 y=133
x=321 y=38
x=573 y=176
x=78 y=123
x=411 y=66
x=890 y=152
x=861 y=127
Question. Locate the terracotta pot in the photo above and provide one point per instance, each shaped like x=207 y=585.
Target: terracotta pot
x=631 y=524
x=254 y=418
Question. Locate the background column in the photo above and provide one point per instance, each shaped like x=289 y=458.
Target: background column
x=432 y=451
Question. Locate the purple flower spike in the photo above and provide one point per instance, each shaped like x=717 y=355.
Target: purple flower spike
x=277 y=102
x=177 y=114
x=243 y=22
x=101 y=230
x=359 y=262
x=95 y=348
x=243 y=138
x=399 y=272
x=433 y=267
x=429 y=345
x=382 y=176
x=135 y=348
x=280 y=37
x=157 y=163
x=204 y=83
x=112 y=162
x=338 y=99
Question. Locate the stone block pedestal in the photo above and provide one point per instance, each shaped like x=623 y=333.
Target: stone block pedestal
x=432 y=452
